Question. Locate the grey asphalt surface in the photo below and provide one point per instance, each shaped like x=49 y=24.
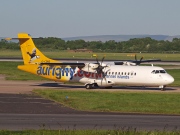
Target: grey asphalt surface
x=20 y=110
x=88 y=121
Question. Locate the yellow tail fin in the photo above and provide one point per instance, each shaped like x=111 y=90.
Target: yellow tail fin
x=30 y=54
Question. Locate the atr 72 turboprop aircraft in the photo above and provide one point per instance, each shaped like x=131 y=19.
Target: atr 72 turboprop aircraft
x=91 y=74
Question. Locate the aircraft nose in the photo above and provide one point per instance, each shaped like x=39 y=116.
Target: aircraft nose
x=170 y=79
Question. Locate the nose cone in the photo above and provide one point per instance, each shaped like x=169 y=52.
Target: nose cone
x=170 y=79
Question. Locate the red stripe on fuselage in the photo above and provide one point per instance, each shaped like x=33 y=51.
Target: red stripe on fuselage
x=81 y=73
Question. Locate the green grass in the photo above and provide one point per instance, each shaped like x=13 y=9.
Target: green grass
x=10 y=53
x=80 y=55
x=9 y=69
x=127 y=131
x=124 y=102
x=176 y=74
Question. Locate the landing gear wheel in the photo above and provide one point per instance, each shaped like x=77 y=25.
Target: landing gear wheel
x=163 y=88
x=89 y=86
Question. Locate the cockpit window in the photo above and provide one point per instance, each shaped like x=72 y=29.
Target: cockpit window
x=153 y=71
x=162 y=71
x=158 y=71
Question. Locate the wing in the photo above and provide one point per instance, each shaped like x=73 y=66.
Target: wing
x=79 y=65
x=134 y=62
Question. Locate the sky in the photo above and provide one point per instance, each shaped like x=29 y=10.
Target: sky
x=72 y=18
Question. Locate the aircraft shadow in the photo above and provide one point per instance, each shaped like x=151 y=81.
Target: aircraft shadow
x=140 y=88
x=58 y=85
x=144 y=88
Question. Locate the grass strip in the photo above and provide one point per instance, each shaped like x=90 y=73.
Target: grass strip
x=176 y=74
x=116 y=101
x=9 y=69
x=122 y=131
x=79 y=55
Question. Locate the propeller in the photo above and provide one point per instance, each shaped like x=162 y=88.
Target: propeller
x=136 y=61
x=100 y=68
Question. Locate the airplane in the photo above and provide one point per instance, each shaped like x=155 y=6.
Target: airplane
x=92 y=75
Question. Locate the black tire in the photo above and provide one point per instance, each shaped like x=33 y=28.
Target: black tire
x=163 y=89
x=89 y=86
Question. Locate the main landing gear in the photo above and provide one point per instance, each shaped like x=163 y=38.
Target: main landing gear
x=89 y=86
x=94 y=85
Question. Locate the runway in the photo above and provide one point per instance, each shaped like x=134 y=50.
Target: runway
x=20 y=110
x=88 y=121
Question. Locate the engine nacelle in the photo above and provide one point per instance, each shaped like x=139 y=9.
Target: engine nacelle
x=90 y=67
x=129 y=63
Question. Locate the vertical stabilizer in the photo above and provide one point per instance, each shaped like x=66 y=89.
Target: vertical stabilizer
x=30 y=53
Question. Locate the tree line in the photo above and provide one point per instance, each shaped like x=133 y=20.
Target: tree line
x=133 y=45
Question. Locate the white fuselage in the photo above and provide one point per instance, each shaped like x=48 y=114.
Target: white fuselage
x=127 y=75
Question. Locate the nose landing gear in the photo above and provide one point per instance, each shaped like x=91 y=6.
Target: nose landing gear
x=162 y=87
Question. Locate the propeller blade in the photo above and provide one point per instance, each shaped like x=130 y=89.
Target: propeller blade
x=97 y=60
x=141 y=58
x=104 y=77
x=139 y=62
x=88 y=66
x=136 y=61
x=102 y=60
x=135 y=57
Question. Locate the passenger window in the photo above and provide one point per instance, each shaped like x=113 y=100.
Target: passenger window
x=119 y=73
x=122 y=73
x=112 y=73
x=125 y=73
x=134 y=73
x=115 y=73
x=131 y=73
